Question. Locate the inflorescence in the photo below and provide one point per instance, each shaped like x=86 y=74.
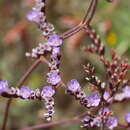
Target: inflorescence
x=52 y=46
x=115 y=89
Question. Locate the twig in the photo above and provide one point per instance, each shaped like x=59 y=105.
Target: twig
x=90 y=12
x=87 y=19
x=25 y=76
x=21 y=81
x=71 y=31
x=62 y=122
x=6 y=113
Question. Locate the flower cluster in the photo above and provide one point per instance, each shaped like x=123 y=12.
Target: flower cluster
x=104 y=116
x=74 y=88
x=25 y=92
x=91 y=78
x=116 y=70
x=114 y=89
x=38 y=15
x=53 y=76
x=41 y=49
x=97 y=47
x=47 y=94
x=52 y=46
x=106 y=93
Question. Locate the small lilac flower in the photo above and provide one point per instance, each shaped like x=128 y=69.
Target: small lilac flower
x=127 y=117
x=119 y=96
x=96 y=122
x=107 y=97
x=111 y=122
x=56 y=51
x=39 y=5
x=47 y=91
x=54 y=40
x=54 y=65
x=55 y=61
x=25 y=92
x=126 y=92
x=53 y=78
x=91 y=122
x=46 y=47
x=86 y=121
x=93 y=100
x=104 y=111
x=34 y=16
x=3 y=85
x=73 y=86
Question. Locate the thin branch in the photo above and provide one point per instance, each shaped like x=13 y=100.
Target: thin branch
x=6 y=114
x=90 y=12
x=46 y=125
x=87 y=19
x=25 y=76
x=62 y=122
x=71 y=31
x=21 y=81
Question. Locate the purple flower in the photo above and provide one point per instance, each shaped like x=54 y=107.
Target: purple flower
x=127 y=117
x=34 y=16
x=53 y=78
x=73 y=86
x=54 y=40
x=3 y=85
x=39 y=4
x=126 y=92
x=86 y=121
x=96 y=122
x=55 y=61
x=104 y=111
x=46 y=47
x=119 y=96
x=93 y=100
x=56 y=51
x=91 y=121
x=107 y=97
x=111 y=122
x=25 y=92
x=47 y=92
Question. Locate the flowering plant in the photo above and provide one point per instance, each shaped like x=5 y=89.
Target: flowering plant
x=115 y=89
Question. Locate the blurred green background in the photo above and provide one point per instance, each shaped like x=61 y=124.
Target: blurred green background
x=17 y=36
